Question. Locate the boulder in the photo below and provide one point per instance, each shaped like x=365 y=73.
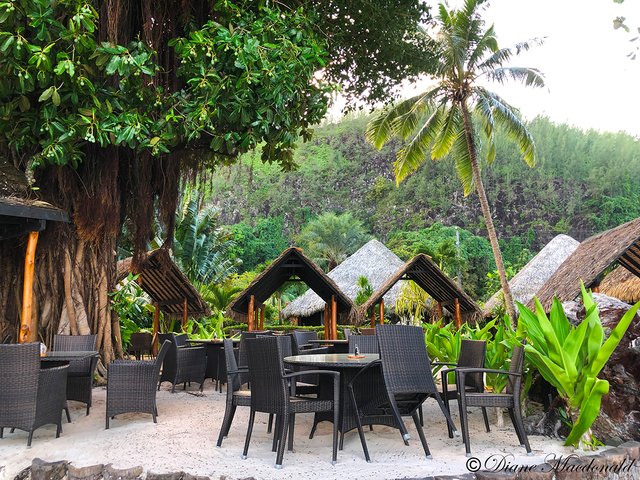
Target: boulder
x=619 y=418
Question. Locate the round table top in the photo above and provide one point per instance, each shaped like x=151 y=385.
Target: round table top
x=215 y=341
x=336 y=360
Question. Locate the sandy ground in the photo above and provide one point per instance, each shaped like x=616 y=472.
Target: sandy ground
x=185 y=439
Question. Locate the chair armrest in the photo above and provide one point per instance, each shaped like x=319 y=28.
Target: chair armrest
x=443 y=364
x=375 y=363
x=239 y=371
x=465 y=370
x=312 y=372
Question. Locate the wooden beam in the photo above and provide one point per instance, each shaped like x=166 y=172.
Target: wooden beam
x=185 y=313
x=372 y=317
x=250 y=313
x=262 y=318
x=156 y=327
x=458 y=315
x=334 y=318
x=29 y=325
x=381 y=312
x=327 y=319
x=439 y=310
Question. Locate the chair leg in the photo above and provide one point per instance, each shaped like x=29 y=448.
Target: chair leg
x=423 y=440
x=252 y=417
x=270 y=424
x=445 y=400
x=486 y=419
x=153 y=415
x=106 y=423
x=292 y=424
x=313 y=429
x=447 y=416
x=66 y=409
x=283 y=440
x=341 y=446
x=88 y=408
x=276 y=434
x=462 y=406
x=12 y=430
x=523 y=435
x=30 y=438
x=419 y=412
x=336 y=411
x=1 y=432
x=226 y=423
x=398 y=418
x=363 y=441
x=59 y=429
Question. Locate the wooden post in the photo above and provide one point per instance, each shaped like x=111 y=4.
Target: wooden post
x=327 y=319
x=439 y=310
x=334 y=318
x=29 y=325
x=262 y=318
x=185 y=314
x=156 y=327
x=250 y=313
x=381 y=312
x=458 y=315
x=372 y=317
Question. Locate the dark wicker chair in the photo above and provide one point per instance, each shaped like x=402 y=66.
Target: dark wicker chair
x=365 y=343
x=509 y=400
x=131 y=385
x=408 y=382
x=30 y=396
x=80 y=373
x=472 y=355
x=346 y=332
x=182 y=364
x=141 y=343
x=235 y=395
x=270 y=393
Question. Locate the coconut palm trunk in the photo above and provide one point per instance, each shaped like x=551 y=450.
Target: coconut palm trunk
x=486 y=213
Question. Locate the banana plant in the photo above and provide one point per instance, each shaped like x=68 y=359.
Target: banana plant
x=570 y=358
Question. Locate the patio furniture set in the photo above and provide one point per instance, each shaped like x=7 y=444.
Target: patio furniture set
x=383 y=378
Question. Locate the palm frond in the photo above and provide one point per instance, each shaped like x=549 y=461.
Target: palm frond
x=451 y=127
x=484 y=110
x=515 y=128
x=414 y=153
x=462 y=162
x=487 y=42
x=530 y=77
x=405 y=124
x=380 y=130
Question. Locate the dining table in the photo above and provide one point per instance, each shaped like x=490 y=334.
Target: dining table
x=216 y=367
x=67 y=356
x=370 y=383
x=336 y=345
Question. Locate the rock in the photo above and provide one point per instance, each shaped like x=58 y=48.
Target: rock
x=619 y=418
x=633 y=449
x=537 y=472
x=41 y=470
x=496 y=476
x=22 y=475
x=165 y=476
x=110 y=473
x=92 y=472
x=188 y=476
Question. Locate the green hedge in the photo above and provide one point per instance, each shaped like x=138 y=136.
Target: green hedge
x=242 y=327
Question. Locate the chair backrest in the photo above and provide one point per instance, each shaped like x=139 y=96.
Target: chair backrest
x=141 y=342
x=171 y=357
x=302 y=337
x=472 y=355
x=517 y=366
x=365 y=343
x=406 y=366
x=242 y=352
x=286 y=345
x=19 y=371
x=181 y=339
x=346 y=332
x=230 y=361
x=159 y=360
x=367 y=331
x=70 y=343
x=269 y=392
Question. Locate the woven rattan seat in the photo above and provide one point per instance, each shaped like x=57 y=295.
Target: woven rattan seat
x=80 y=375
x=182 y=364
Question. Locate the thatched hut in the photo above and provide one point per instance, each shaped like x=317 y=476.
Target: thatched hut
x=291 y=265
x=373 y=260
x=536 y=272
x=590 y=260
x=622 y=284
x=428 y=276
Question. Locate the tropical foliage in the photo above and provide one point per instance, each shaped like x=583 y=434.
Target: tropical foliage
x=438 y=121
x=132 y=306
x=571 y=357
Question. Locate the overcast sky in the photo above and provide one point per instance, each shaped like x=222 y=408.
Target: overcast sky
x=590 y=81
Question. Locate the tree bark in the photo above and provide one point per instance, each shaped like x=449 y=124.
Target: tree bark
x=486 y=213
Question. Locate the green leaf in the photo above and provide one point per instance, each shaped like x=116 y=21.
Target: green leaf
x=55 y=97
x=46 y=95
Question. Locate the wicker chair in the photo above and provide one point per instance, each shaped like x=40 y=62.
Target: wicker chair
x=509 y=400
x=408 y=382
x=235 y=395
x=346 y=332
x=472 y=354
x=80 y=373
x=365 y=343
x=30 y=397
x=141 y=344
x=131 y=385
x=270 y=393
x=182 y=364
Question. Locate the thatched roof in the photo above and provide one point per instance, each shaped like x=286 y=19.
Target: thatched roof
x=165 y=283
x=373 y=260
x=534 y=274
x=424 y=271
x=622 y=284
x=291 y=264
x=591 y=259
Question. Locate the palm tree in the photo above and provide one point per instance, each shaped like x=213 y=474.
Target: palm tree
x=330 y=238
x=439 y=120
